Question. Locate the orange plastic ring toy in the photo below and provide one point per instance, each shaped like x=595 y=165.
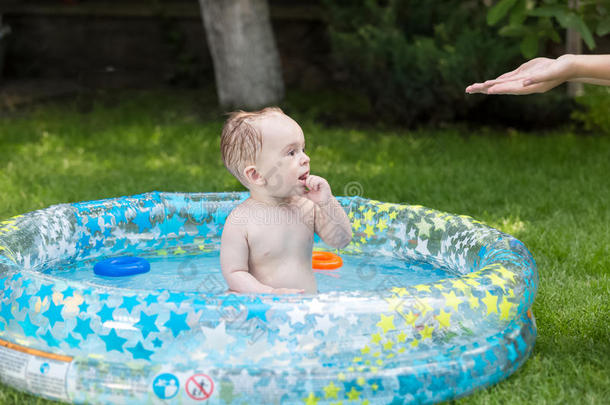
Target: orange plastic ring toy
x=326 y=261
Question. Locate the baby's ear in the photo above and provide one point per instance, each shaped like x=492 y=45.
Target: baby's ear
x=253 y=176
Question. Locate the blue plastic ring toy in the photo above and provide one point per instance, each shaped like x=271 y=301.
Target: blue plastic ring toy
x=121 y=266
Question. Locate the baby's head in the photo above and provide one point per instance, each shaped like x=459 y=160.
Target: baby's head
x=265 y=150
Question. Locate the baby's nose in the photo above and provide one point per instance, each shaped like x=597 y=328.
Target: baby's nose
x=305 y=159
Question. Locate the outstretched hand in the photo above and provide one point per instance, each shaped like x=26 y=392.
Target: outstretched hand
x=536 y=76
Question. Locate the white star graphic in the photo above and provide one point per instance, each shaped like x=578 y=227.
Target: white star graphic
x=216 y=339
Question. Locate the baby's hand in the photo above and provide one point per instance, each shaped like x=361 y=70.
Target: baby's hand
x=287 y=291
x=319 y=189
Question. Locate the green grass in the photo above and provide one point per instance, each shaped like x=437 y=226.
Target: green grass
x=549 y=190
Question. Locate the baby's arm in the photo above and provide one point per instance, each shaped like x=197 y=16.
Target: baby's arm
x=234 y=252
x=330 y=221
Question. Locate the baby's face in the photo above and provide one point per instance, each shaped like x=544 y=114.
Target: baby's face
x=282 y=160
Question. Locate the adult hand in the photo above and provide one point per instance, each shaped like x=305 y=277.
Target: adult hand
x=535 y=76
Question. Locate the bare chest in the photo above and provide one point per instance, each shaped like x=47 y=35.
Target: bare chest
x=279 y=234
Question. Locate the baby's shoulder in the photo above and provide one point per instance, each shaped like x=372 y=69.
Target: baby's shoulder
x=239 y=215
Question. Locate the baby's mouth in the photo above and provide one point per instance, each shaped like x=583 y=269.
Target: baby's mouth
x=304 y=176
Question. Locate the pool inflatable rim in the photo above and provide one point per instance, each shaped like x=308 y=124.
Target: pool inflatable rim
x=493 y=269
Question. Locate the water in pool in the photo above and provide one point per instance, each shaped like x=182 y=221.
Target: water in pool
x=199 y=271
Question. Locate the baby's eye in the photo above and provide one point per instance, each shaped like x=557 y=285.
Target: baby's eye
x=292 y=152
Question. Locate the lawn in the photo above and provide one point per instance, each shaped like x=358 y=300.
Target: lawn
x=549 y=190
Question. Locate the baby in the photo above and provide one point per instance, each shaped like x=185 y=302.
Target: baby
x=267 y=240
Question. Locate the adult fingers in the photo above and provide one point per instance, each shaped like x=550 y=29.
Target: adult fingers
x=514 y=87
x=477 y=88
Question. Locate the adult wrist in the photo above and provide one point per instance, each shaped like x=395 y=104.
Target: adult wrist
x=574 y=69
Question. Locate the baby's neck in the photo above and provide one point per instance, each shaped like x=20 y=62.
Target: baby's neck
x=271 y=200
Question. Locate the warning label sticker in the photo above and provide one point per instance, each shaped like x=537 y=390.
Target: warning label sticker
x=199 y=387
x=33 y=370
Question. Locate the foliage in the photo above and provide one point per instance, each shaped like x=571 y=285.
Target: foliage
x=413 y=59
x=534 y=21
x=595 y=114
x=549 y=191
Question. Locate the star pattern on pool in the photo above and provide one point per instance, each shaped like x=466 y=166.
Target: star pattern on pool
x=140 y=328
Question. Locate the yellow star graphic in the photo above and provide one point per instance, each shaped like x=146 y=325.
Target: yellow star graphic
x=365 y=350
x=451 y=300
x=506 y=273
x=410 y=318
x=438 y=286
x=376 y=338
x=351 y=215
x=459 y=284
x=356 y=224
x=393 y=214
x=399 y=290
x=424 y=228
x=401 y=337
x=368 y=216
x=311 y=399
x=473 y=302
x=499 y=281
x=369 y=231
x=353 y=395
x=422 y=287
x=331 y=390
x=472 y=282
x=385 y=207
x=505 y=307
x=426 y=333
x=388 y=345
x=386 y=323
x=491 y=302
x=414 y=343
x=443 y=318
x=439 y=223
x=381 y=225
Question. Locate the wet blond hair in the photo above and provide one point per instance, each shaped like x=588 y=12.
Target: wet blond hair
x=241 y=140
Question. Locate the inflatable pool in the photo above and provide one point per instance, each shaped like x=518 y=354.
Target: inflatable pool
x=426 y=306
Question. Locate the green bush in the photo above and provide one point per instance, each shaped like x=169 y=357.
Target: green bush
x=595 y=111
x=413 y=59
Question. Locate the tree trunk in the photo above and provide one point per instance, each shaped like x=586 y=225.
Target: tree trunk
x=574 y=46
x=246 y=61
